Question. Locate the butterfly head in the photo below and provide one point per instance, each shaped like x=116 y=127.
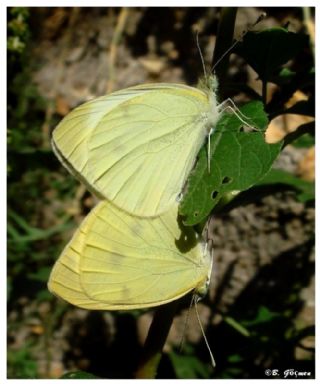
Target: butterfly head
x=209 y=84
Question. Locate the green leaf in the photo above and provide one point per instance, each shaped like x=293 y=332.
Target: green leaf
x=20 y=231
x=188 y=367
x=298 y=133
x=21 y=364
x=238 y=161
x=285 y=76
x=44 y=295
x=237 y=326
x=304 y=141
x=264 y=315
x=267 y=50
x=78 y=375
x=235 y=359
x=305 y=189
x=41 y=275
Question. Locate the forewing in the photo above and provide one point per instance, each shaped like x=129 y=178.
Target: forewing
x=138 y=146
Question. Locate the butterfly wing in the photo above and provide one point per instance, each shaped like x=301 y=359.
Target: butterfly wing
x=137 y=146
x=116 y=261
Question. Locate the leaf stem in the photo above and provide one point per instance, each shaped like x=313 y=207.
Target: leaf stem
x=155 y=340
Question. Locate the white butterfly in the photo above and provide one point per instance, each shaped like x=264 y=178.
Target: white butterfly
x=136 y=147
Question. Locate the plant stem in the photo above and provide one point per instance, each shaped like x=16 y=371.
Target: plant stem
x=264 y=92
x=116 y=38
x=155 y=340
x=223 y=43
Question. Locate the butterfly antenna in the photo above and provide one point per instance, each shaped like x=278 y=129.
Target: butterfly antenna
x=202 y=331
x=226 y=52
x=261 y=17
x=185 y=325
x=201 y=56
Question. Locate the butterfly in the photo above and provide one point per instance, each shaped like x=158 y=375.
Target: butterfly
x=116 y=261
x=136 y=147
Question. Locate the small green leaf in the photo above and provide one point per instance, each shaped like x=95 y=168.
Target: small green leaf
x=188 y=367
x=235 y=359
x=305 y=189
x=41 y=275
x=304 y=141
x=264 y=315
x=307 y=129
x=285 y=76
x=238 y=161
x=237 y=326
x=20 y=231
x=44 y=295
x=78 y=375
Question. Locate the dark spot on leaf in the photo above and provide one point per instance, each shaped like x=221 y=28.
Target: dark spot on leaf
x=226 y=180
x=196 y=213
x=214 y=194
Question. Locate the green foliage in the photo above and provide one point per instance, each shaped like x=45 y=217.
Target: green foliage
x=34 y=237
x=21 y=364
x=31 y=245
x=238 y=161
x=270 y=336
x=305 y=190
x=263 y=315
x=25 y=251
x=78 y=375
x=24 y=103
x=237 y=326
x=21 y=231
x=305 y=141
x=18 y=31
x=188 y=366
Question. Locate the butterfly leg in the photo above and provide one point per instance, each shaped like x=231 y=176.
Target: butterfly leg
x=236 y=112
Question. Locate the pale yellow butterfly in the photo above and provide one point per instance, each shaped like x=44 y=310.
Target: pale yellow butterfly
x=116 y=261
x=136 y=147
